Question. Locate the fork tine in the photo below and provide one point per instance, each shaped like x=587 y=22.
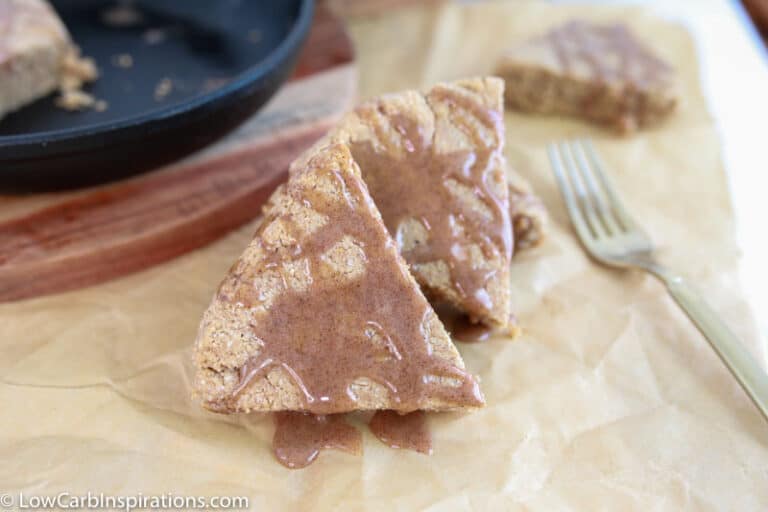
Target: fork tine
x=574 y=212
x=585 y=199
x=610 y=191
x=594 y=189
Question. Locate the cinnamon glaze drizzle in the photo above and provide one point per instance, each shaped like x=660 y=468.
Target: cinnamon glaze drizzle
x=407 y=431
x=300 y=436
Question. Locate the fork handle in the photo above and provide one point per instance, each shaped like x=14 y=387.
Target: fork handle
x=739 y=361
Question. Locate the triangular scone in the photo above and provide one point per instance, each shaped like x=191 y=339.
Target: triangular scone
x=601 y=73
x=434 y=166
x=320 y=313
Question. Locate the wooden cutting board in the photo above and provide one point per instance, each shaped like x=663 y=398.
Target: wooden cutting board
x=56 y=242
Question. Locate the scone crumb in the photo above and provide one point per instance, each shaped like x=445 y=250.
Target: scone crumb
x=154 y=36
x=76 y=71
x=123 y=60
x=76 y=67
x=163 y=89
x=122 y=15
x=70 y=83
x=74 y=100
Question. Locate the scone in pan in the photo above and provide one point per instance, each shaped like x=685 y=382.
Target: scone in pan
x=174 y=76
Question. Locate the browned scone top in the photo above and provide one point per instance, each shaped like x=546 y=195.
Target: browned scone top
x=601 y=73
x=434 y=165
x=320 y=313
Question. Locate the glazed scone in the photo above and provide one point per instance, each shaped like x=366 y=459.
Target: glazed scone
x=434 y=165
x=601 y=73
x=320 y=313
x=37 y=56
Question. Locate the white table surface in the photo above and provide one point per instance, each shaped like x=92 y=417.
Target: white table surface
x=734 y=68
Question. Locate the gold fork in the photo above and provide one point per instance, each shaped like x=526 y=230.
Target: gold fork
x=612 y=237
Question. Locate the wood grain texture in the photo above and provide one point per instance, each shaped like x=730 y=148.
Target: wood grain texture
x=66 y=242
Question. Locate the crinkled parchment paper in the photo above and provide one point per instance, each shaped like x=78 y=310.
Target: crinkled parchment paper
x=611 y=400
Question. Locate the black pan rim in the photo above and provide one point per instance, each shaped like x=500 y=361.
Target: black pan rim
x=26 y=142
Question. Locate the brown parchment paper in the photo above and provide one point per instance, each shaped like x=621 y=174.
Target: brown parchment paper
x=611 y=400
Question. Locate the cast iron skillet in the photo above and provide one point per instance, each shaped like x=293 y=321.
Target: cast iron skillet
x=223 y=60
